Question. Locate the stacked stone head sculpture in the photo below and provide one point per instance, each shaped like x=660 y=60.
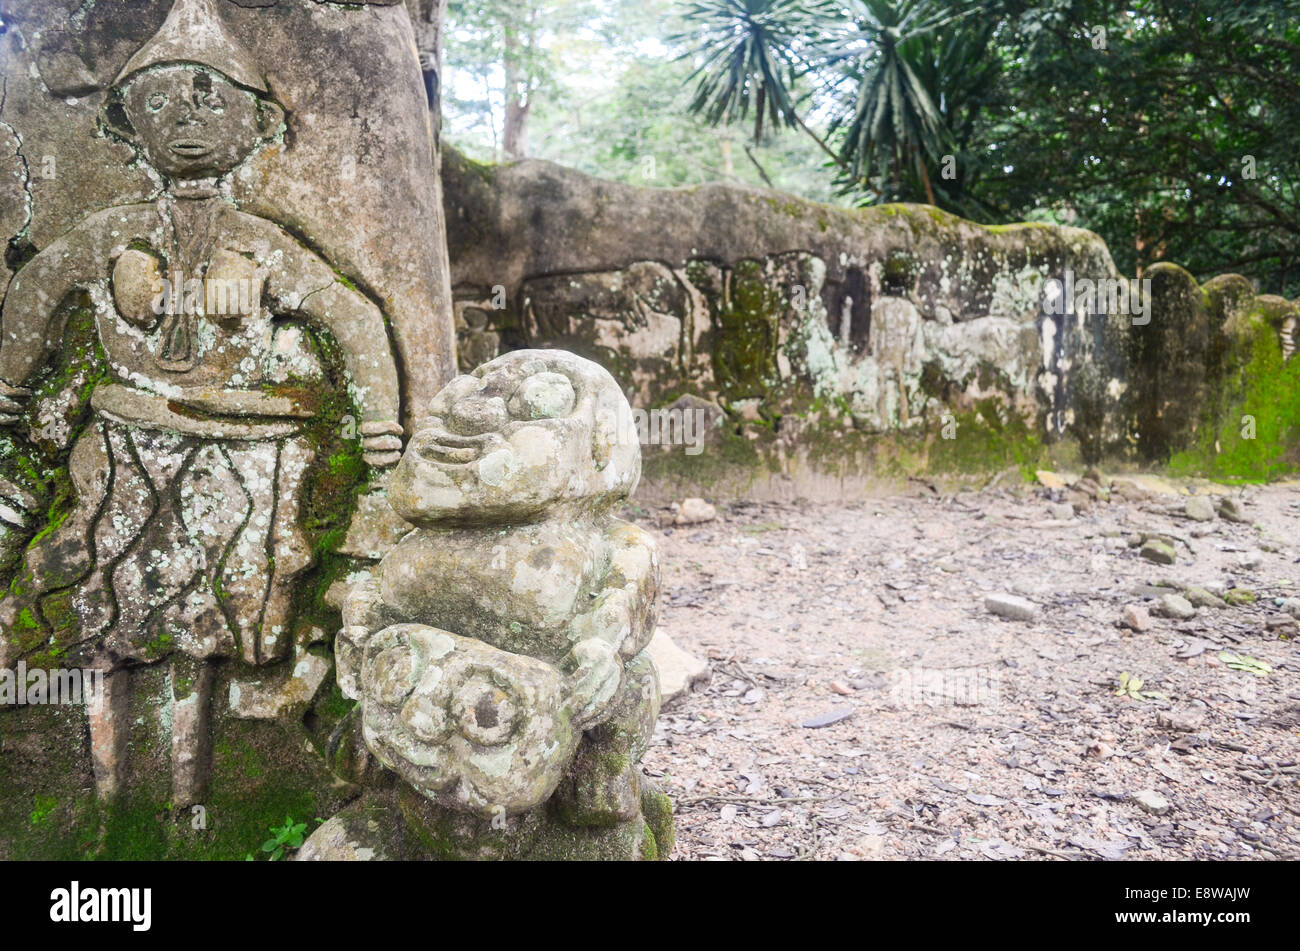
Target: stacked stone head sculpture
x=533 y=433
x=497 y=651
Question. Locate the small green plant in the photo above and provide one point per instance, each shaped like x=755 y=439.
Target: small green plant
x=1131 y=687
x=289 y=835
x=1243 y=662
x=45 y=805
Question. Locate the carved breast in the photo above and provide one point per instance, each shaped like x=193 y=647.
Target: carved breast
x=195 y=328
x=229 y=290
x=137 y=280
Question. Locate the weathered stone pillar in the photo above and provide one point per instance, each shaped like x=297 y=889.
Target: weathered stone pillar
x=224 y=296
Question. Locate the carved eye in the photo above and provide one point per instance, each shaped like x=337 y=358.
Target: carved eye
x=393 y=675
x=214 y=102
x=543 y=396
x=157 y=102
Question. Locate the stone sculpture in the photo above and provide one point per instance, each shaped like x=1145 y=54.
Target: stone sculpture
x=497 y=654
x=184 y=542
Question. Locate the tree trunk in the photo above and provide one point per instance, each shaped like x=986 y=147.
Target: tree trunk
x=428 y=16
x=925 y=179
x=518 y=93
x=515 y=136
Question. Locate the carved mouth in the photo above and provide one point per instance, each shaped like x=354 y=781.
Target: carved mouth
x=448 y=449
x=189 y=148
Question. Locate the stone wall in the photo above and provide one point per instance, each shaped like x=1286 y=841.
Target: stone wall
x=828 y=347
x=1218 y=387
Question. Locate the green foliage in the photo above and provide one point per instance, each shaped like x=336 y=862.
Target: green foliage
x=503 y=56
x=288 y=836
x=1168 y=128
x=45 y=806
x=1245 y=663
x=616 y=105
x=1130 y=687
x=749 y=57
x=892 y=118
x=898 y=78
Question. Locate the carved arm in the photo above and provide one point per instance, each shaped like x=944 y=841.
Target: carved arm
x=302 y=282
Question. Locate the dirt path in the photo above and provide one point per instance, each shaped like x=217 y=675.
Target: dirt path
x=972 y=736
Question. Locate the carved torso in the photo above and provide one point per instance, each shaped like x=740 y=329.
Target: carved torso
x=517 y=589
x=186 y=310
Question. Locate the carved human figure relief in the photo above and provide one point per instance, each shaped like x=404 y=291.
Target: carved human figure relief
x=185 y=536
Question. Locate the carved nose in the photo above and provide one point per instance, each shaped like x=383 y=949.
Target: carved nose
x=476 y=415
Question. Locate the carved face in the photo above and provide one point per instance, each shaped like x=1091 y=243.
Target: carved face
x=471 y=727
x=521 y=435
x=194 y=123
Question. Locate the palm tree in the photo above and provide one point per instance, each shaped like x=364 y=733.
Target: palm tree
x=752 y=55
x=891 y=121
x=884 y=65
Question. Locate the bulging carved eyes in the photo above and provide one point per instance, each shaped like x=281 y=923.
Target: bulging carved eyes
x=394 y=675
x=543 y=396
x=157 y=102
x=214 y=102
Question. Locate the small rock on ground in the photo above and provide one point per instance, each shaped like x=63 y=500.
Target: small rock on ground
x=678 y=670
x=1182 y=720
x=1200 y=598
x=1177 y=607
x=1151 y=801
x=695 y=512
x=1011 y=607
x=1162 y=553
x=1135 y=617
x=1231 y=510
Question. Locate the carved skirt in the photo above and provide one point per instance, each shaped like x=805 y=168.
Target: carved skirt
x=176 y=542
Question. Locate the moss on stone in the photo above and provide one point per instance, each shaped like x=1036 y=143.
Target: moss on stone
x=1256 y=437
x=657 y=809
x=982 y=442
x=746 y=335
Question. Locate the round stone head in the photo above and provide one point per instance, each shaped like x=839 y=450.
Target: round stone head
x=530 y=433
x=193 y=99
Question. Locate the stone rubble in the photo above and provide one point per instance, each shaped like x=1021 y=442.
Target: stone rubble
x=955 y=705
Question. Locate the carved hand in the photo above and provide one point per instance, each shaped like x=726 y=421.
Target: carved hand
x=12 y=403
x=595 y=681
x=381 y=444
x=364 y=613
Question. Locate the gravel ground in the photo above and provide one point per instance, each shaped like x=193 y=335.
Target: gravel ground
x=967 y=735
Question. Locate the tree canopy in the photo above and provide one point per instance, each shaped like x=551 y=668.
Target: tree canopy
x=1166 y=127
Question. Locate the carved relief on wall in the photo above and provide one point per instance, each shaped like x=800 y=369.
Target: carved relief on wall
x=765 y=336
x=222 y=337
